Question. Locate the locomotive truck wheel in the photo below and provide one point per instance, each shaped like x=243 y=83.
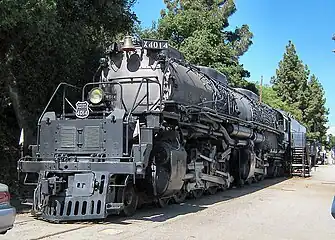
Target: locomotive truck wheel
x=162 y=202
x=128 y=196
x=225 y=187
x=276 y=172
x=212 y=190
x=271 y=171
x=260 y=177
x=197 y=193
x=249 y=181
x=180 y=196
x=139 y=204
x=240 y=183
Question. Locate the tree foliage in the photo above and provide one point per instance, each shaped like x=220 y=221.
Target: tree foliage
x=316 y=112
x=331 y=142
x=301 y=93
x=291 y=77
x=270 y=97
x=43 y=43
x=198 y=28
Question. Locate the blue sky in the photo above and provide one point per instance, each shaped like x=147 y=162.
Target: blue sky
x=309 y=24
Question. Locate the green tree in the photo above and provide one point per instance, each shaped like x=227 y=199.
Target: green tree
x=198 y=28
x=43 y=43
x=290 y=81
x=296 y=89
x=270 y=97
x=9 y=132
x=331 y=143
x=316 y=112
x=46 y=42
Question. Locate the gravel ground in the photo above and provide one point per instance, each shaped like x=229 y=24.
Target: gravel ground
x=277 y=209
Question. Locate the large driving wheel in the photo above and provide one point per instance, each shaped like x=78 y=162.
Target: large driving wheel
x=128 y=196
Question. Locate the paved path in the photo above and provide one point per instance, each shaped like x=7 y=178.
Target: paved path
x=296 y=209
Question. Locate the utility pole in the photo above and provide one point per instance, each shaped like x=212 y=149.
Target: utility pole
x=260 y=89
x=333 y=38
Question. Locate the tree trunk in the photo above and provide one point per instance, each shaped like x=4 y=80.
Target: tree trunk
x=21 y=114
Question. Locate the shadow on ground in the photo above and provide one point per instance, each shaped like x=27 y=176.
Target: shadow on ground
x=20 y=208
x=154 y=214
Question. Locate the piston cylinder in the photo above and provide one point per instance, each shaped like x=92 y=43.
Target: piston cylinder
x=239 y=131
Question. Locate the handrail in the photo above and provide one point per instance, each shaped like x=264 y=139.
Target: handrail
x=142 y=79
x=47 y=106
x=114 y=81
x=53 y=95
x=53 y=159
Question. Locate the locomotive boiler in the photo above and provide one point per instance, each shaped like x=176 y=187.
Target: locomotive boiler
x=151 y=127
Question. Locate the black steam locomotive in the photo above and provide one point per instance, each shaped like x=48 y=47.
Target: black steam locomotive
x=151 y=127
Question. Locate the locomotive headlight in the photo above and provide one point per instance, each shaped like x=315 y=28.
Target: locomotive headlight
x=96 y=95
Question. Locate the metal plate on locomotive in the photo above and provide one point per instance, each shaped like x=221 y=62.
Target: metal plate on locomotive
x=82 y=110
x=155 y=44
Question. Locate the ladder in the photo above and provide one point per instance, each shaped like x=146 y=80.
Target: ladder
x=300 y=162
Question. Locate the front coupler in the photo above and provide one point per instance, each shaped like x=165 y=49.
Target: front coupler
x=85 y=194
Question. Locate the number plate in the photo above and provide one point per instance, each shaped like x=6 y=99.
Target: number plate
x=82 y=110
x=155 y=44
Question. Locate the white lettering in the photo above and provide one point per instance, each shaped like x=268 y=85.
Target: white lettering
x=155 y=44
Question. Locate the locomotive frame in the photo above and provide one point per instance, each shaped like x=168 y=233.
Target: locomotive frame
x=155 y=128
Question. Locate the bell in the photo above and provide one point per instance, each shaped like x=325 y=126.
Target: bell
x=128 y=44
